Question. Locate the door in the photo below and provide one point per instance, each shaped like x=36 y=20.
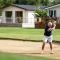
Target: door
x=19 y=16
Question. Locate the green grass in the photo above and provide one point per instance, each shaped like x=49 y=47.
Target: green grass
x=29 y=34
x=9 y=56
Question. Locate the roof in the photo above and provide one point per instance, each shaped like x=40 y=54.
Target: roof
x=54 y=6
x=29 y=7
x=26 y=7
x=43 y=7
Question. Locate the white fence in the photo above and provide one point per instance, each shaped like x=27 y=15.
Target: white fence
x=22 y=20
x=17 y=20
x=0 y=19
x=58 y=19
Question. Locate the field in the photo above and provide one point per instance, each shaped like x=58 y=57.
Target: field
x=26 y=34
x=24 y=50
x=7 y=56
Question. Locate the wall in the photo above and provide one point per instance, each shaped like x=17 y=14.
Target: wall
x=57 y=10
x=28 y=16
x=13 y=9
x=30 y=19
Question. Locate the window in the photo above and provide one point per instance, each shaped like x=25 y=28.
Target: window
x=54 y=13
x=50 y=13
x=8 y=13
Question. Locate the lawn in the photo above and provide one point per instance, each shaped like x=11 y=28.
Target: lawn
x=9 y=56
x=28 y=34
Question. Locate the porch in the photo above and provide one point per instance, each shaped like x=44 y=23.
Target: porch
x=13 y=17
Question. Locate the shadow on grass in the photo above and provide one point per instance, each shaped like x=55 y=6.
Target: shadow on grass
x=3 y=38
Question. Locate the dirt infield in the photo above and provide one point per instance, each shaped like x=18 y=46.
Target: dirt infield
x=29 y=48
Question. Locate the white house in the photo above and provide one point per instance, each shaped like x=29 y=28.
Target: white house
x=23 y=14
x=54 y=11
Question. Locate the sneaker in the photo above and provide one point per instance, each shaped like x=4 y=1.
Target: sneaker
x=42 y=52
x=51 y=52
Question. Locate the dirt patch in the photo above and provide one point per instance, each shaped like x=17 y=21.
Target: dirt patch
x=29 y=48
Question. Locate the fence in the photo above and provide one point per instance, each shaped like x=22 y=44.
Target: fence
x=42 y=25
x=58 y=20
x=18 y=22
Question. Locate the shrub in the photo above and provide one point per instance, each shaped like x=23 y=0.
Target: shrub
x=40 y=13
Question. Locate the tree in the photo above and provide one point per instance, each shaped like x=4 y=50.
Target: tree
x=55 y=2
x=4 y=3
x=39 y=13
x=1 y=4
x=27 y=2
x=8 y=2
x=21 y=2
x=33 y=2
x=44 y=2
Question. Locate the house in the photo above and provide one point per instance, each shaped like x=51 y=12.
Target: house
x=19 y=14
x=54 y=11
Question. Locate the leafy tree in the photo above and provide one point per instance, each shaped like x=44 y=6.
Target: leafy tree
x=8 y=2
x=33 y=2
x=40 y=13
x=55 y=2
x=21 y=2
x=44 y=2
x=4 y=3
x=1 y=4
x=27 y=2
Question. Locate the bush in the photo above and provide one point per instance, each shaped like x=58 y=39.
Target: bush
x=40 y=13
